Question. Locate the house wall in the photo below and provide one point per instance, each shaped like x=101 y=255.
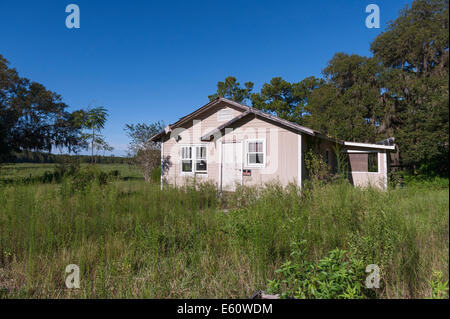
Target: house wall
x=281 y=149
x=191 y=133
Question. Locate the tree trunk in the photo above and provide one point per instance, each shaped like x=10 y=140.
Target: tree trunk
x=92 y=147
x=146 y=174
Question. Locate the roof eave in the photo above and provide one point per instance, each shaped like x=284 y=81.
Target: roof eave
x=371 y=146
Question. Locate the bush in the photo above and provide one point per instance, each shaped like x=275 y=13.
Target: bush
x=67 y=166
x=155 y=175
x=439 y=286
x=85 y=178
x=114 y=173
x=318 y=170
x=337 y=276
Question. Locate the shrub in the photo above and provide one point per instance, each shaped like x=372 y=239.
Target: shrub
x=439 y=286
x=114 y=173
x=338 y=276
x=85 y=177
x=155 y=175
x=67 y=166
x=318 y=170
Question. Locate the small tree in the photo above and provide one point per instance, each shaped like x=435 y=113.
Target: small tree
x=93 y=120
x=146 y=154
x=232 y=89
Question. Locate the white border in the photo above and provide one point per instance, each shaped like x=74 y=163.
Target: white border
x=162 y=163
x=220 y=165
x=300 y=161
x=385 y=170
x=242 y=163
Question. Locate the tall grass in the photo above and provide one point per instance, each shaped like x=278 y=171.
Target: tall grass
x=132 y=240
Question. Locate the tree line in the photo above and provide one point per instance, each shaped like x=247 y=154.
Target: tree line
x=45 y=157
x=400 y=91
x=33 y=118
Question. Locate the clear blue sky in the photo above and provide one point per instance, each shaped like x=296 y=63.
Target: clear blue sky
x=159 y=60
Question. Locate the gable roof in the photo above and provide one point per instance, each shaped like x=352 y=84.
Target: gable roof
x=208 y=136
x=247 y=110
x=191 y=115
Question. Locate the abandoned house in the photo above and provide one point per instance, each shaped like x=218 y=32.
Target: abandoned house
x=231 y=144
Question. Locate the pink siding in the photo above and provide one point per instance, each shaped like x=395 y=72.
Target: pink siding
x=281 y=149
x=191 y=134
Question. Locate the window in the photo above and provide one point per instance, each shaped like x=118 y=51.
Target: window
x=186 y=159
x=200 y=159
x=373 y=162
x=193 y=159
x=364 y=162
x=327 y=157
x=256 y=153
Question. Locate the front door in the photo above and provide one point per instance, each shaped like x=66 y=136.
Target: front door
x=231 y=165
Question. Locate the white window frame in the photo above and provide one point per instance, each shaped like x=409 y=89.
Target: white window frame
x=186 y=159
x=194 y=159
x=250 y=165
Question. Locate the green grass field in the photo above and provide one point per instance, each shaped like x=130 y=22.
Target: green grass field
x=132 y=240
x=26 y=170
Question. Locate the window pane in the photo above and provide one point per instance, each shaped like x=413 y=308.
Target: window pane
x=373 y=162
x=358 y=162
x=186 y=152
x=257 y=158
x=186 y=165
x=259 y=146
x=364 y=162
x=255 y=147
x=200 y=165
x=201 y=152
